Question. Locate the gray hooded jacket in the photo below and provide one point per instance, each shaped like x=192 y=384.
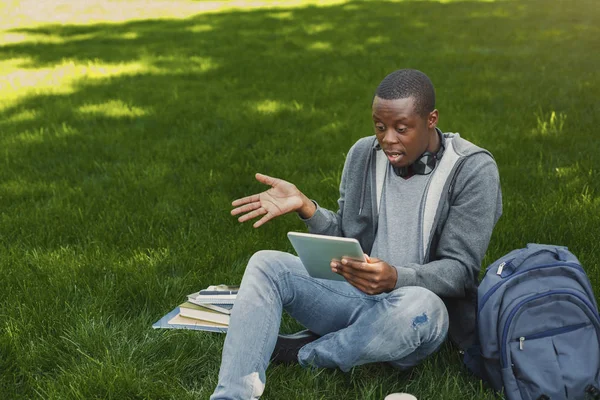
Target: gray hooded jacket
x=460 y=224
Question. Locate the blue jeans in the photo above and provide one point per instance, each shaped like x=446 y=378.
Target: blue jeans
x=401 y=327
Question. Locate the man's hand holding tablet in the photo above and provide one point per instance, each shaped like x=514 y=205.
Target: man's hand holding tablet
x=372 y=276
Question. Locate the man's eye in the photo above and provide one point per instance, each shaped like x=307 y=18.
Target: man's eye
x=380 y=127
x=401 y=130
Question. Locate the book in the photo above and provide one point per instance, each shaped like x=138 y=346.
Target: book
x=181 y=320
x=219 y=290
x=216 y=292
x=173 y=320
x=222 y=287
x=212 y=299
x=222 y=308
x=195 y=311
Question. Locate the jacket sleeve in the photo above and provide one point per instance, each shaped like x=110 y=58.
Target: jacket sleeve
x=475 y=206
x=327 y=222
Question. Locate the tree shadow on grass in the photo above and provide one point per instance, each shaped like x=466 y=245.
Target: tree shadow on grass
x=150 y=156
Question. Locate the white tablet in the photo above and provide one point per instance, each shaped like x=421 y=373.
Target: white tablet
x=317 y=251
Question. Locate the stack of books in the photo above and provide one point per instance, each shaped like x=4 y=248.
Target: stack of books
x=206 y=310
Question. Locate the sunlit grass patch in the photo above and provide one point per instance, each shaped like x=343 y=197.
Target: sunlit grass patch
x=199 y=28
x=320 y=46
x=274 y=106
x=282 y=15
x=312 y=29
x=18 y=79
x=551 y=123
x=378 y=40
x=46 y=134
x=22 y=116
x=113 y=108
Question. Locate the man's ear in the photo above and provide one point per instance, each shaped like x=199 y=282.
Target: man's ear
x=432 y=119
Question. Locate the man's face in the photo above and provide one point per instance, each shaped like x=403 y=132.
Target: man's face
x=402 y=133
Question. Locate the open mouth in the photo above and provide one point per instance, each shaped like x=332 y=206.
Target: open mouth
x=394 y=156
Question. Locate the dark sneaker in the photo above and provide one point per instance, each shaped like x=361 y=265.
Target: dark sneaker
x=288 y=346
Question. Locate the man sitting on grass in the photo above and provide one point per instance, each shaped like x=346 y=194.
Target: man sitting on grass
x=426 y=229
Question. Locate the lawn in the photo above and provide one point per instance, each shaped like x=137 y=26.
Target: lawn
x=128 y=127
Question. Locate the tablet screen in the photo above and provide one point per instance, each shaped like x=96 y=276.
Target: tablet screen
x=317 y=251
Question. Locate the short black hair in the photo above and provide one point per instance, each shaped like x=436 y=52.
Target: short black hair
x=405 y=83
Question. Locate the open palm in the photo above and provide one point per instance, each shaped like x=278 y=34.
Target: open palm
x=283 y=197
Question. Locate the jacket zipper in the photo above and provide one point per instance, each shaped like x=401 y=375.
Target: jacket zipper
x=503 y=351
x=457 y=169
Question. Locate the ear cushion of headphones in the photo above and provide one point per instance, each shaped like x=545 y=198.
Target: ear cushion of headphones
x=425 y=164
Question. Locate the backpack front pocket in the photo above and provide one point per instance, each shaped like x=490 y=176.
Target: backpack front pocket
x=536 y=369
x=553 y=362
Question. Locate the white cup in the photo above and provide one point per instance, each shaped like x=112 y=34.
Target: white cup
x=400 y=396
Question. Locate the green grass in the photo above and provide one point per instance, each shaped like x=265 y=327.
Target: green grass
x=127 y=129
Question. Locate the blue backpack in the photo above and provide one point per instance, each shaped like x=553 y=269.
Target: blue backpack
x=538 y=326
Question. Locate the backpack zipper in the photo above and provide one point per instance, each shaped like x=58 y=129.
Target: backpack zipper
x=550 y=332
x=501 y=266
x=503 y=352
x=493 y=289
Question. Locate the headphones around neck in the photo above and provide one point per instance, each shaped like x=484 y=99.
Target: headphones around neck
x=425 y=164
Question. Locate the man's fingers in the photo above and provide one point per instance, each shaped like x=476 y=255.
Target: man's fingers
x=245 y=200
x=246 y=208
x=363 y=284
x=356 y=269
x=360 y=283
x=267 y=180
x=355 y=273
x=356 y=264
x=350 y=273
x=252 y=214
x=263 y=220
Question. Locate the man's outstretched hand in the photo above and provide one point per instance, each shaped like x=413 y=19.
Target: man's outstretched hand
x=283 y=197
